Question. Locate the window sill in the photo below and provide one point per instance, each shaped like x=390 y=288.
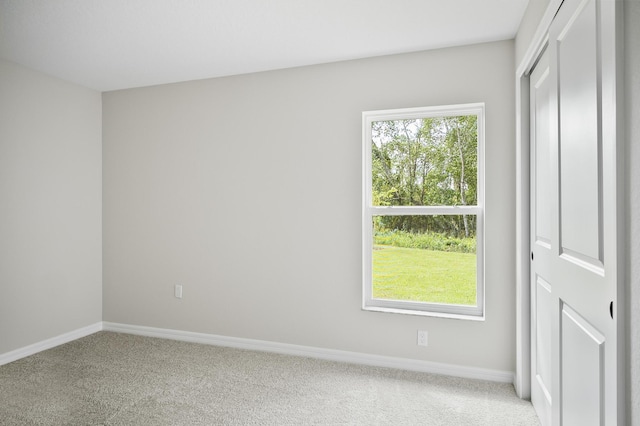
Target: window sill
x=424 y=313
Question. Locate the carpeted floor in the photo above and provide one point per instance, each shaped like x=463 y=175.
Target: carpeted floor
x=119 y=379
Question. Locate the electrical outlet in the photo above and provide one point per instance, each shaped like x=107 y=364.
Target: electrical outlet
x=423 y=339
x=178 y=291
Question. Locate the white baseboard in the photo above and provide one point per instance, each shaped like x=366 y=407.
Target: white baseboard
x=319 y=353
x=266 y=346
x=49 y=343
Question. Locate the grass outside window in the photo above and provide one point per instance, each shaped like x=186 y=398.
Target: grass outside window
x=421 y=275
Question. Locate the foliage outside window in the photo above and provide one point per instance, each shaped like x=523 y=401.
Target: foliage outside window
x=422 y=210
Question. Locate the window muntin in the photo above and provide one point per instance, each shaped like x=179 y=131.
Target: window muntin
x=422 y=210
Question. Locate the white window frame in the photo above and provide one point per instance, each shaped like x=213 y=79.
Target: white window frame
x=369 y=211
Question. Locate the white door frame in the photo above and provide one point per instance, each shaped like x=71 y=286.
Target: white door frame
x=522 y=382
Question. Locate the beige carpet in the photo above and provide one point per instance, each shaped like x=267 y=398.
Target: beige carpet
x=119 y=379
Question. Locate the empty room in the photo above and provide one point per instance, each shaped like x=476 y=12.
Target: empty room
x=413 y=212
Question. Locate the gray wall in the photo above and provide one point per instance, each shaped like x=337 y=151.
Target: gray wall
x=50 y=207
x=528 y=26
x=247 y=191
x=632 y=93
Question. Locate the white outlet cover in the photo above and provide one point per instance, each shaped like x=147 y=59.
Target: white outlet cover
x=423 y=338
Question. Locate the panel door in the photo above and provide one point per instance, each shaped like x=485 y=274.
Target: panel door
x=584 y=262
x=540 y=214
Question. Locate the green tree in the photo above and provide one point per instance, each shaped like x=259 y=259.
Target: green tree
x=430 y=161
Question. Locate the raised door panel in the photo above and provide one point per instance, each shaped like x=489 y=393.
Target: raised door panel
x=579 y=138
x=542 y=367
x=541 y=148
x=583 y=369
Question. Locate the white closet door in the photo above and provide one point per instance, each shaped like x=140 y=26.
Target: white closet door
x=540 y=214
x=585 y=223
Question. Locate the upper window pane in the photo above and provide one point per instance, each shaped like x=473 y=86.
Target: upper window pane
x=425 y=162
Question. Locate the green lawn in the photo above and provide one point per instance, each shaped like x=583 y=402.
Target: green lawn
x=424 y=275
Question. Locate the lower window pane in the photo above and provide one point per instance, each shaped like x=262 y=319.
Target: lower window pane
x=425 y=259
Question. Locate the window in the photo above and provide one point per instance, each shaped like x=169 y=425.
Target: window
x=423 y=211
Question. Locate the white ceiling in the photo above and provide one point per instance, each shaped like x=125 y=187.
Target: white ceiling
x=116 y=44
